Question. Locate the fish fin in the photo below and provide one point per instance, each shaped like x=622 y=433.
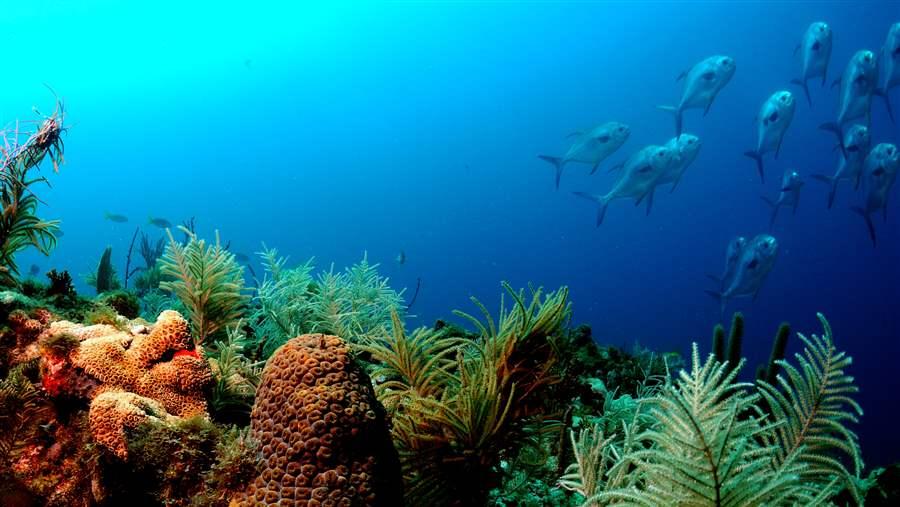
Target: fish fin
x=858 y=181
x=796 y=48
x=705 y=111
x=767 y=201
x=861 y=212
x=574 y=134
x=825 y=74
x=836 y=82
x=616 y=167
x=650 y=200
x=835 y=129
x=675 y=111
x=681 y=76
x=675 y=184
x=759 y=163
x=832 y=182
x=802 y=84
x=778 y=148
x=602 y=203
x=714 y=278
x=596 y=166
x=558 y=164
x=887 y=103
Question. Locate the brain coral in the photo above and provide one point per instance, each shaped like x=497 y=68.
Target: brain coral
x=323 y=435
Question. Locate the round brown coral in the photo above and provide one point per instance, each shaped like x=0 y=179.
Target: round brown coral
x=323 y=434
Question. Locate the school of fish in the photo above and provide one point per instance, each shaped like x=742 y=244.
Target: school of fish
x=873 y=169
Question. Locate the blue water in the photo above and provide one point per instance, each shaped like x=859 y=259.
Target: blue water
x=339 y=130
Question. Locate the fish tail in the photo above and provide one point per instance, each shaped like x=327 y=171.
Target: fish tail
x=835 y=129
x=887 y=103
x=802 y=84
x=720 y=297
x=558 y=164
x=861 y=212
x=831 y=182
x=602 y=204
x=774 y=207
x=675 y=111
x=755 y=155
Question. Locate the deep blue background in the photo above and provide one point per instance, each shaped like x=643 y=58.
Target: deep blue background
x=337 y=130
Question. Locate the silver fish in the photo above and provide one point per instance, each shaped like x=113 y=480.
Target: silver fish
x=879 y=174
x=753 y=267
x=702 y=83
x=732 y=256
x=789 y=195
x=774 y=118
x=854 y=149
x=591 y=147
x=858 y=84
x=815 y=53
x=889 y=66
x=688 y=147
x=638 y=180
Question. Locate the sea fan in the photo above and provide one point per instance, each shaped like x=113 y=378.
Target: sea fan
x=717 y=442
x=20 y=227
x=207 y=280
x=355 y=304
x=813 y=402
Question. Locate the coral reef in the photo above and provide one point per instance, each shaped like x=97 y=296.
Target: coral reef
x=323 y=435
x=129 y=376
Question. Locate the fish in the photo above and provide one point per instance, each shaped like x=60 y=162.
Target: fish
x=879 y=174
x=638 y=179
x=858 y=84
x=401 y=258
x=112 y=217
x=754 y=264
x=591 y=147
x=854 y=149
x=162 y=223
x=889 y=67
x=732 y=256
x=34 y=270
x=789 y=195
x=688 y=147
x=815 y=53
x=702 y=83
x=774 y=118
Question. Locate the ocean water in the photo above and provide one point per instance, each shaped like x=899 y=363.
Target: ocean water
x=336 y=130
